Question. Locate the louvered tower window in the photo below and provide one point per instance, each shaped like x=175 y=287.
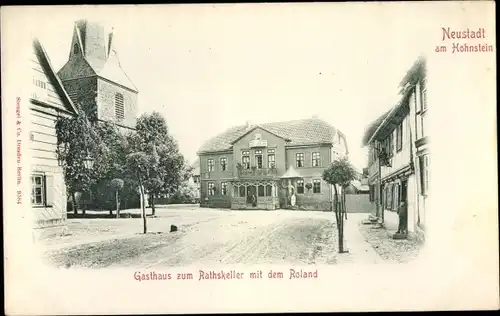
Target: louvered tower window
x=119 y=109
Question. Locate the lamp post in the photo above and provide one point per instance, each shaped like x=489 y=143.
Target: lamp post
x=61 y=148
x=88 y=162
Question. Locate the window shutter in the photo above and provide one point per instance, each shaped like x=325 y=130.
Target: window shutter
x=396 y=197
x=387 y=196
x=49 y=190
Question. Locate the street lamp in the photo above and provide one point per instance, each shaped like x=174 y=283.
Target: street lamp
x=61 y=148
x=89 y=162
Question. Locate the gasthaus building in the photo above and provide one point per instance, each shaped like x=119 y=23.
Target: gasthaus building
x=270 y=166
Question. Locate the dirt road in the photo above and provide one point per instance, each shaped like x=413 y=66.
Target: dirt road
x=210 y=236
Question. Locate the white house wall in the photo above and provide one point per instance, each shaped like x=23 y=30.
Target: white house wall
x=402 y=158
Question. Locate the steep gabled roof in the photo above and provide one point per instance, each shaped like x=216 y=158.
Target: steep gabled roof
x=254 y=128
x=416 y=73
x=298 y=132
x=373 y=127
x=47 y=65
x=96 y=55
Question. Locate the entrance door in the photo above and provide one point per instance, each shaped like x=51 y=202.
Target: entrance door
x=251 y=195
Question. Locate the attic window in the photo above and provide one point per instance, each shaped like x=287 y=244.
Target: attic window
x=119 y=109
x=75 y=49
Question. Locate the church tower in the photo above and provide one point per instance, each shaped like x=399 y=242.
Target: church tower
x=94 y=78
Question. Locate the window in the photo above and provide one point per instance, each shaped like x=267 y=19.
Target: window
x=260 y=190
x=271 y=161
x=195 y=179
x=223 y=164
x=119 y=109
x=316 y=160
x=395 y=200
x=223 y=188
x=424 y=174
x=210 y=164
x=258 y=159
x=242 y=191
x=317 y=186
x=271 y=151
x=75 y=49
x=245 y=159
x=300 y=186
x=399 y=137
x=38 y=190
x=211 y=188
x=300 y=160
x=42 y=190
x=269 y=190
x=235 y=191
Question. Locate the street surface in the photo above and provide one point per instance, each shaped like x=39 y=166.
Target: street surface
x=210 y=236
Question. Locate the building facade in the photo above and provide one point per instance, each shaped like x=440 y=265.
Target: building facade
x=48 y=101
x=94 y=78
x=398 y=155
x=195 y=179
x=270 y=166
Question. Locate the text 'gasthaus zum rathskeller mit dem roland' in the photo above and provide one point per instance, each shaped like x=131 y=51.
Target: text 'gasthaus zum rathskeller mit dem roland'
x=203 y=275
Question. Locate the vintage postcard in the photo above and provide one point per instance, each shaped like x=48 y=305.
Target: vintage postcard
x=273 y=157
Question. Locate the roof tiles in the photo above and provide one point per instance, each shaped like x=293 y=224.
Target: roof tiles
x=299 y=132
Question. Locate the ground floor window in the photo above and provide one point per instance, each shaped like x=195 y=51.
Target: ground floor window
x=300 y=186
x=260 y=191
x=211 y=188
x=223 y=188
x=257 y=189
x=42 y=190
x=38 y=190
x=392 y=196
x=269 y=190
x=316 y=186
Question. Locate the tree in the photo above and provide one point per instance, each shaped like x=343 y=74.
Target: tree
x=340 y=174
x=138 y=164
x=78 y=141
x=152 y=131
x=117 y=185
x=154 y=160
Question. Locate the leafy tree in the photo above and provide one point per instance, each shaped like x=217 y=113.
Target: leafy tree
x=340 y=174
x=78 y=141
x=154 y=159
x=117 y=185
x=152 y=131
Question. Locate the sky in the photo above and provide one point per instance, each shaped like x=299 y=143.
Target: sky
x=207 y=68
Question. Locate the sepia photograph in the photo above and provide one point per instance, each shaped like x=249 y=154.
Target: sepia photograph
x=290 y=143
